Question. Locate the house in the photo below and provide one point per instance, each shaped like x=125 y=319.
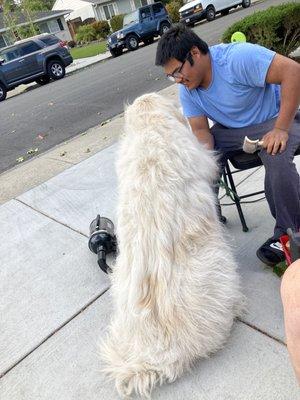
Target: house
x=45 y=21
x=98 y=9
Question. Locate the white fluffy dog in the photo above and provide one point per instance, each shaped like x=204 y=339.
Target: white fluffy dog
x=175 y=286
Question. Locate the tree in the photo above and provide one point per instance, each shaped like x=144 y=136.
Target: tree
x=36 y=5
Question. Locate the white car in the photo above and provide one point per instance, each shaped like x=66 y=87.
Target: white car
x=196 y=10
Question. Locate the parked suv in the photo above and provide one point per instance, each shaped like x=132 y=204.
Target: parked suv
x=142 y=25
x=39 y=59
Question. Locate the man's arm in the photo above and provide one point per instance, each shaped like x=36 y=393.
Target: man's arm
x=201 y=130
x=285 y=72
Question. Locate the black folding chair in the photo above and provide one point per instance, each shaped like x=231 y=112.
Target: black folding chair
x=241 y=161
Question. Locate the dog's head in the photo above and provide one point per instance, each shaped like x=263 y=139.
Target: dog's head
x=152 y=109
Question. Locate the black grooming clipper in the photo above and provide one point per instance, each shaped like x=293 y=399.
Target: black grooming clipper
x=102 y=240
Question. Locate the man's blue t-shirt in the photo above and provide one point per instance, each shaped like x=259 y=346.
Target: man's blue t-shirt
x=238 y=94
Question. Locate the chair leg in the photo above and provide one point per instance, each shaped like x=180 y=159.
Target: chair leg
x=226 y=184
x=236 y=198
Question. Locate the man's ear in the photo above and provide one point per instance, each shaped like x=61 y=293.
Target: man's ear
x=195 y=51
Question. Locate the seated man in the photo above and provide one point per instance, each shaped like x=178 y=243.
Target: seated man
x=248 y=90
x=290 y=294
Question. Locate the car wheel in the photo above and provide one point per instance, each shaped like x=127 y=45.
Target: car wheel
x=225 y=12
x=3 y=92
x=132 y=42
x=43 y=80
x=56 y=69
x=116 y=52
x=148 y=40
x=210 y=13
x=164 y=28
x=246 y=3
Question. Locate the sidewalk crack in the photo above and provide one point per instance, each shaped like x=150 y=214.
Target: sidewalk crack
x=262 y=332
x=54 y=332
x=53 y=219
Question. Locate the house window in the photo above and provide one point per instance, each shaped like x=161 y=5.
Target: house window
x=53 y=26
x=109 y=11
x=2 y=42
x=43 y=27
x=60 y=24
x=140 y=3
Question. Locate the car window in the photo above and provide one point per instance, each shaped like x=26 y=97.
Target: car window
x=49 y=40
x=29 y=47
x=146 y=12
x=11 y=54
x=131 y=18
x=157 y=8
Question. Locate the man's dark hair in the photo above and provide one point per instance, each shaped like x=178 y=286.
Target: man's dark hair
x=176 y=43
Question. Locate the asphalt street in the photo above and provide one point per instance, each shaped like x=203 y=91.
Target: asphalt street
x=43 y=117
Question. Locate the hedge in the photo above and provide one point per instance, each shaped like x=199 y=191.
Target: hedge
x=86 y=34
x=173 y=10
x=116 y=22
x=94 y=31
x=277 y=28
x=102 y=29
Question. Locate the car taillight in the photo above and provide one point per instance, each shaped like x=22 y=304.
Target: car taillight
x=63 y=43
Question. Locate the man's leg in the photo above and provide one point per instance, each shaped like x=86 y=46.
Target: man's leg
x=290 y=295
x=282 y=186
x=281 y=183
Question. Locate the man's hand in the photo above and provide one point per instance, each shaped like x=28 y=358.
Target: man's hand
x=275 y=141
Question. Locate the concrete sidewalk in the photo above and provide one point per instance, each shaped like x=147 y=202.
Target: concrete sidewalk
x=55 y=302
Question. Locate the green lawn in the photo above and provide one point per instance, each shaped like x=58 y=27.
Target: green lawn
x=89 y=50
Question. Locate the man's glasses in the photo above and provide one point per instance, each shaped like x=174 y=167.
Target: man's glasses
x=177 y=73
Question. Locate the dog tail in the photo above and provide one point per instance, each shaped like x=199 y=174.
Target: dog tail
x=129 y=375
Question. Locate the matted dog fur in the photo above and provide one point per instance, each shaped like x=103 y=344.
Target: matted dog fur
x=175 y=287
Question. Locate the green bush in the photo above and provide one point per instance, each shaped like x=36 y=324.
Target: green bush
x=86 y=34
x=116 y=22
x=173 y=10
x=102 y=29
x=277 y=28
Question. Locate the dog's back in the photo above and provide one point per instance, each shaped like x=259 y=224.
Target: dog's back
x=175 y=285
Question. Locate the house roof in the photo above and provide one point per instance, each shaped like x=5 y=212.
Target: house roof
x=21 y=19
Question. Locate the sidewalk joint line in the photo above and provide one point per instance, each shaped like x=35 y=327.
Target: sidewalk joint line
x=53 y=219
x=262 y=332
x=54 y=332
x=64 y=161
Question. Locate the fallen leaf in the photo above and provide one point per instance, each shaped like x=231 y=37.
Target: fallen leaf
x=20 y=159
x=51 y=103
x=63 y=153
x=105 y=122
x=41 y=137
x=99 y=113
x=13 y=131
x=87 y=150
x=104 y=137
x=157 y=79
x=30 y=151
